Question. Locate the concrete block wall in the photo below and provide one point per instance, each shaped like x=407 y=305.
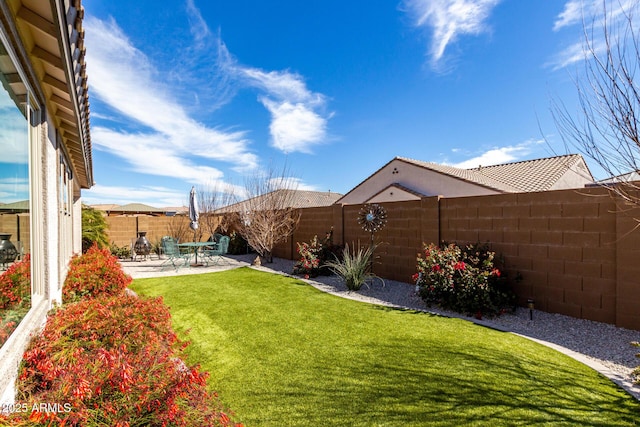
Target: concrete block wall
x=313 y=222
x=18 y=226
x=121 y=229
x=400 y=240
x=576 y=250
x=563 y=243
x=627 y=268
x=9 y=224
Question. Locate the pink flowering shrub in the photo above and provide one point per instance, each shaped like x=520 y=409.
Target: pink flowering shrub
x=315 y=255
x=465 y=280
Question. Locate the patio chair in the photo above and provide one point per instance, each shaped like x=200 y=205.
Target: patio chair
x=215 y=255
x=172 y=252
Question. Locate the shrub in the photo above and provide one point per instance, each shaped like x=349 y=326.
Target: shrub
x=94 y=228
x=309 y=262
x=15 y=296
x=92 y=274
x=354 y=267
x=114 y=361
x=237 y=244
x=121 y=252
x=464 y=280
x=15 y=284
x=315 y=255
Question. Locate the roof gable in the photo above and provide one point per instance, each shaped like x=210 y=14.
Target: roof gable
x=469 y=175
x=395 y=192
x=430 y=179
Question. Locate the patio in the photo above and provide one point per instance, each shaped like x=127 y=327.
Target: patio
x=158 y=267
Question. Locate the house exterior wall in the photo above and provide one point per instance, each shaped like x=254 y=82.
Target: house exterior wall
x=41 y=230
x=577 y=176
x=393 y=194
x=421 y=180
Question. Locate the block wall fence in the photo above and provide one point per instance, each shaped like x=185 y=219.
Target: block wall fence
x=576 y=250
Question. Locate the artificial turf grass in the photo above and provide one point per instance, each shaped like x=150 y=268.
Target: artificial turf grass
x=282 y=353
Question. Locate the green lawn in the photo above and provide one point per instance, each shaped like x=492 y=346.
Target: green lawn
x=282 y=353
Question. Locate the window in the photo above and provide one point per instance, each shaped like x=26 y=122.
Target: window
x=65 y=212
x=15 y=220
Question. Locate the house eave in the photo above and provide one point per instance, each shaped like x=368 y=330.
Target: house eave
x=52 y=38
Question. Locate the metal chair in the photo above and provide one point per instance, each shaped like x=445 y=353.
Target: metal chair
x=172 y=252
x=215 y=255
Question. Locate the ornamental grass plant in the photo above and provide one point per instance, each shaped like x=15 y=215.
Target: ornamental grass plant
x=282 y=353
x=354 y=266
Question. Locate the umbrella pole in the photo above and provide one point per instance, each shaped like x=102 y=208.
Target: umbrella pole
x=195 y=249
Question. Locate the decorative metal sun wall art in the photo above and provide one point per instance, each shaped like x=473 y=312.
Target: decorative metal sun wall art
x=372 y=218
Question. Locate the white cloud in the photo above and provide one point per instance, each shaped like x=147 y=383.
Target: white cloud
x=124 y=78
x=450 y=19
x=153 y=154
x=591 y=13
x=158 y=197
x=294 y=127
x=298 y=121
x=198 y=26
x=573 y=12
x=13 y=138
x=13 y=189
x=499 y=155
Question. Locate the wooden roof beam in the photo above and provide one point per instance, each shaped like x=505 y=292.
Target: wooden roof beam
x=68 y=129
x=38 y=22
x=58 y=84
x=64 y=103
x=48 y=57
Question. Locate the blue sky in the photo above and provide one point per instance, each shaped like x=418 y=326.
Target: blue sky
x=204 y=93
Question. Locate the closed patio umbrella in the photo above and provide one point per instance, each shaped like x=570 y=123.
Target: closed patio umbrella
x=193 y=210
x=193 y=217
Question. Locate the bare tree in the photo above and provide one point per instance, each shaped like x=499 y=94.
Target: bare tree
x=268 y=214
x=212 y=198
x=605 y=129
x=178 y=227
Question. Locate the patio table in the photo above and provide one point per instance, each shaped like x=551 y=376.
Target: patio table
x=195 y=246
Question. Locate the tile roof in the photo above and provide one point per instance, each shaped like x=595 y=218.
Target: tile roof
x=533 y=175
x=470 y=175
x=296 y=199
x=137 y=207
x=523 y=176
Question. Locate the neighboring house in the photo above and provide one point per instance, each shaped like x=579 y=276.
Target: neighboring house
x=46 y=152
x=132 y=209
x=407 y=179
x=285 y=199
x=626 y=177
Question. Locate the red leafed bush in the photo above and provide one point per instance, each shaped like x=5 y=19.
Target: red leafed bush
x=15 y=284
x=115 y=361
x=15 y=296
x=92 y=274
